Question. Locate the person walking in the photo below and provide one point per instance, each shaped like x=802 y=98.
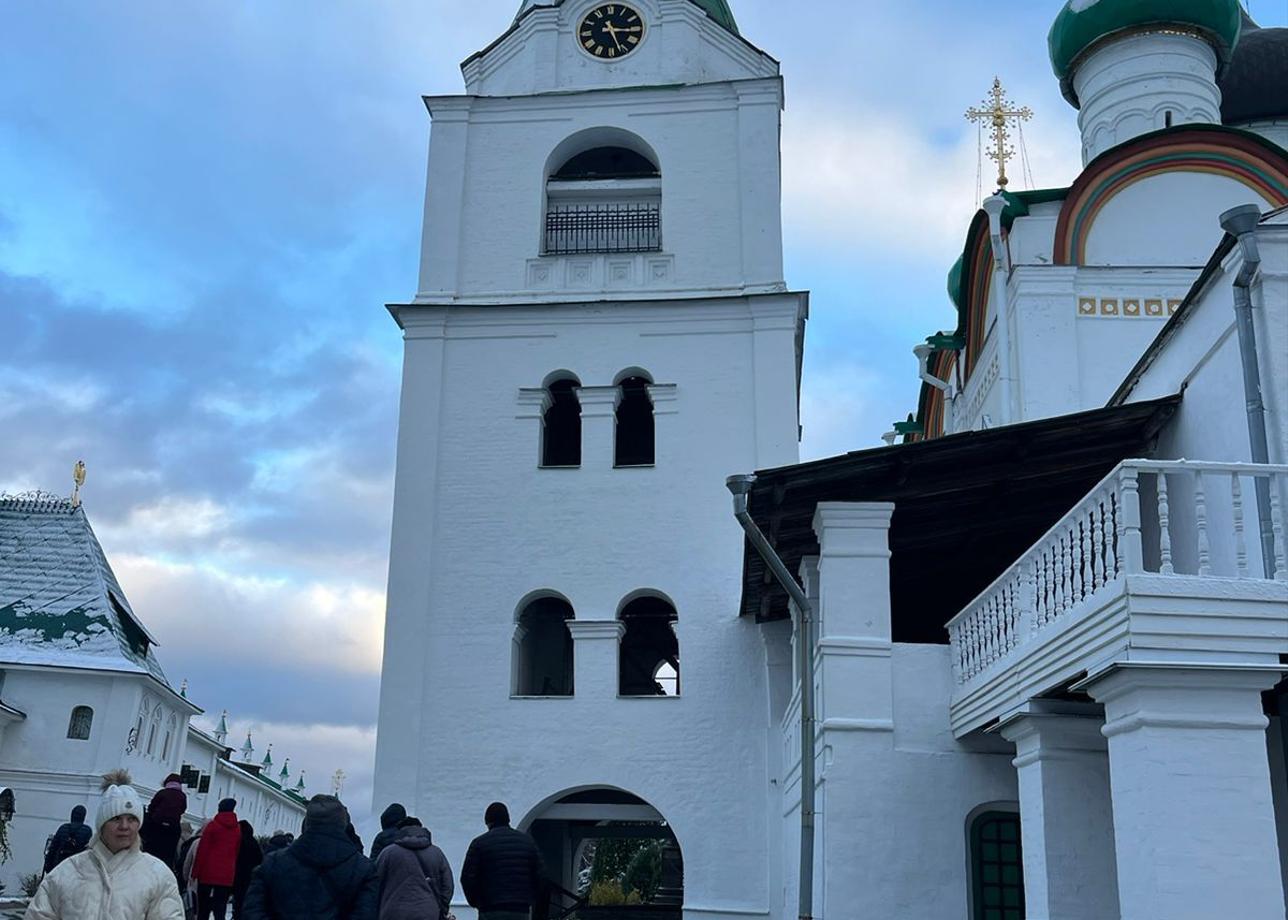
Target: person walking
x=215 y=865
x=390 y=819
x=70 y=839
x=249 y=856
x=113 y=879
x=321 y=876
x=415 y=880
x=161 y=831
x=279 y=841
x=503 y=875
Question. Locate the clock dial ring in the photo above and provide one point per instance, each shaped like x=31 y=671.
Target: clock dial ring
x=611 y=31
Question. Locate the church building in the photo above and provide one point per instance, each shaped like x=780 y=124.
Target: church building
x=1033 y=654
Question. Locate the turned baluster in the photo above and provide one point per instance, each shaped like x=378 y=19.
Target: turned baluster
x=1240 y=536
x=1086 y=568
x=1100 y=551
x=1164 y=528
x=1200 y=523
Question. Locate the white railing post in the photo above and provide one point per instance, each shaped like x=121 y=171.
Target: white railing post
x=1277 y=526
x=1130 y=547
x=1164 y=527
x=1200 y=523
x=1240 y=538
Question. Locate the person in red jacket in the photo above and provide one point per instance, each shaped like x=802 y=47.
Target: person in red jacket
x=160 y=831
x=215 y=866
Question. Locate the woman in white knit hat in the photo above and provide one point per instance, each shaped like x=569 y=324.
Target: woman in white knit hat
x=114 y=879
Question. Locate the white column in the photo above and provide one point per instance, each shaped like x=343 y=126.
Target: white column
x=1066 y=816
x=1193 y=816
x=598 y=426
x=854 y=616
x=595 y=646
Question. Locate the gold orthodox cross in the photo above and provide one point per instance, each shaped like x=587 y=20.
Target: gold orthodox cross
x=997 y=114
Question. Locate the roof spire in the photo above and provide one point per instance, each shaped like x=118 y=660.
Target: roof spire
x=248 y=749
x=268 y=759
x=299 y=785
x=78 y=477
x=221 y=730
x=285 y=776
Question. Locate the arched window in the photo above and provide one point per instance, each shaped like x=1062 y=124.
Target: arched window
x=561 y=425
x=82 y=720
x=171 y=724
x=649 y=659
x=543 y=649
x=604 y=194
x=634 y=442
x=153 y=728
x=997 y=867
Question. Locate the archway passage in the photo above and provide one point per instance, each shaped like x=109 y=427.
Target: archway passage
x=609 y=855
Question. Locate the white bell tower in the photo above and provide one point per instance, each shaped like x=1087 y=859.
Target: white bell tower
x=601 y=335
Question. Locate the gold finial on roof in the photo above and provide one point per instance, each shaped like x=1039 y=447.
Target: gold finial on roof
x=996 y=114
x=78 y=477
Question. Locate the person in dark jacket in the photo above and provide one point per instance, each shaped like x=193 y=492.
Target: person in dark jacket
x=215 y=866
x=70 y=839
x=160 y=831
x=415 y=879
x=502 y=875
x=279 y=841
x=321 y=876
x=390 y=818
x=249 y=856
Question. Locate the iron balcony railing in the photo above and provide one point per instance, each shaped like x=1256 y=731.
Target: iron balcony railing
x=603 y=227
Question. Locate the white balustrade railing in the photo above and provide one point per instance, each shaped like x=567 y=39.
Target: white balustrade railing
x=1165 y=517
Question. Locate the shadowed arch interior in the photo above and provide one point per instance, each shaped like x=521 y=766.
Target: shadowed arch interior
x=649 y=659
x=543 y=648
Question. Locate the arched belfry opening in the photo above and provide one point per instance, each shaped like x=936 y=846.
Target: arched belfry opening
x=603 y=195
x=606 y=848
x=543 y=648
x=649 y=658
x=561 y=423
x=635 y=441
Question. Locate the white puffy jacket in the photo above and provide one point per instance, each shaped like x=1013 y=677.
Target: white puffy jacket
x=101 y=885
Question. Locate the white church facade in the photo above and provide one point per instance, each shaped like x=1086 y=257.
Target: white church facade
x=1046 y=633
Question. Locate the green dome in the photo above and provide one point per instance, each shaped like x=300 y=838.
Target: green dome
x=1083 y=23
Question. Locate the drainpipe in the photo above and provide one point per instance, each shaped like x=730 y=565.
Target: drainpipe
x=1241 y=223
x=993 y=206
x=740 y=486
x=923 y=352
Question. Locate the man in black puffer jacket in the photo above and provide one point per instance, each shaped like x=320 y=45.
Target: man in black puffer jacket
x=390 y=818
x=502 y=875
x=321 y=876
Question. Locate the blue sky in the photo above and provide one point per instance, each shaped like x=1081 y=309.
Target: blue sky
x=204 y=207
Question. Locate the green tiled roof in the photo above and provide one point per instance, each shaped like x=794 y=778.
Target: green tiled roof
x=60 y=603
x=1083 y=23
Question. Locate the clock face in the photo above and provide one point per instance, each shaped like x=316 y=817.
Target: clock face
x=611 y=31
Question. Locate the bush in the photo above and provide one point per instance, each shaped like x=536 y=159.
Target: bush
x=610 y=894
x=29 y=882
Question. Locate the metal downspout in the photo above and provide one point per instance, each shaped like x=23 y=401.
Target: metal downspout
x=1241 y=223
x=740 y=486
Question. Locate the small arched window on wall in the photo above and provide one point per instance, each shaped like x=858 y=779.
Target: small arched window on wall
x=543 y=648
x=997 y=867
x=604 y=194
x=634 y=444
x=561 y=424
x=82 y=721
x=648 y=661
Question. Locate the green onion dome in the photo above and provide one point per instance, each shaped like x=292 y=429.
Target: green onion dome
x=1083 y=24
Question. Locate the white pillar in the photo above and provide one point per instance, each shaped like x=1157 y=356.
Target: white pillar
x=854 y=616
x=1193 y=816
x=598 y=426
x=1066 y=819
x=595 y=647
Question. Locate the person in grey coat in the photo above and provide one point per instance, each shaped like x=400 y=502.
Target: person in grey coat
x=415 y=880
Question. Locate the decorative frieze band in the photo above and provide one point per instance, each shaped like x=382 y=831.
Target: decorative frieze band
x=1128 y=307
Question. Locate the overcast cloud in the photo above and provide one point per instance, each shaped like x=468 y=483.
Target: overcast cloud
x=204 y=206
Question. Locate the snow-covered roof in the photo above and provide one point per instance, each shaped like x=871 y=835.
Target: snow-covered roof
x=60 y=603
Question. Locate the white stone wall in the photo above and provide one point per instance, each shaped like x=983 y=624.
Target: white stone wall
x=681 y=45
x=1128 y=87
x=478 y=528
x=715 y=144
